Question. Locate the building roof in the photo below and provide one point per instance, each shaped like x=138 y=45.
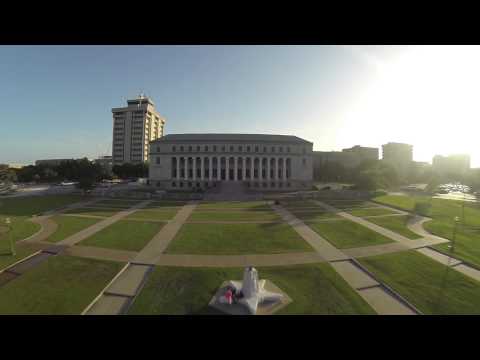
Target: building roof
x=290 y=139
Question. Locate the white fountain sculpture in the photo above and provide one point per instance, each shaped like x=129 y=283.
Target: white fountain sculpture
x=252 y=290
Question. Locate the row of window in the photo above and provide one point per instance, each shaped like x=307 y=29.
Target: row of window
x=223 y=148
x=190 y=184
x=190 y=161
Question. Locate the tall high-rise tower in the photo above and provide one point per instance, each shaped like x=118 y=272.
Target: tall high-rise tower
x=134 y=127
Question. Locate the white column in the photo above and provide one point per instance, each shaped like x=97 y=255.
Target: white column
x=202 y=168
x=235 y=166
x=268 y=168
x=194 y=169
x=284 y=169
x=252 y=167
x=219 y=166
x=210 y=168
x=276 y=169
x=178 y=168
x=244 y=168
x=227 y=168
x=186 y=168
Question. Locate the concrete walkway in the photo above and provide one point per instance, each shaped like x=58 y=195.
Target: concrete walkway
x=85 y=233
x=383 y=301
x=239 y=260
x=326 y=250
x=116 y=298
x=420 y=245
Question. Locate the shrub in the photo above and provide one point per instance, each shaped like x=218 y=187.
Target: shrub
x=422 y=208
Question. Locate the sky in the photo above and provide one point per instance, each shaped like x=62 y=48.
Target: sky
x=55 y=101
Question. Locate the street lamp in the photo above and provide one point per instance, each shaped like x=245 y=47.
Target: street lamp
x=12 y=247
x=452 y=246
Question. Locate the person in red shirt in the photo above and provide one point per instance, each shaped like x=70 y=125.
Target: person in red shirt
x=229 y=296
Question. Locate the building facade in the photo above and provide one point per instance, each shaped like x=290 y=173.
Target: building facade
x=262 y=162
x=51 y=162
x=348 y=158
x=134 y=127
x=106 y=162
x=399 y=155
x=458 y=164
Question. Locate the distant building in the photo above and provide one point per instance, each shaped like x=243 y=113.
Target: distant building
x=260 y=162
x=51 y=162
x=399 y=155
x=134 y=127
x=457 y=164
x=106 y=162
x=363 y=153
x=348 y=158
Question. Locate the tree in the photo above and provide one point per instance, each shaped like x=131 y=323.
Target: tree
x=128 y=170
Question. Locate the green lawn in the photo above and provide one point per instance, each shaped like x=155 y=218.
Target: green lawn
x=94 y=211
x=69 y=225
x=233 y=216
x=20 y=228
x=347 y=204
x=21 y=251
x=234 y=239
x=161 y=204
x=371 y=212
x=396 y=224
x=124 y=235
x=20 y=209
x=31 y=205
x=234 y=204
x=314 y=289
x=344 y=234
x=118 y=203
x=443 y=212
x=315 y=215
x=60 y=285
x=299 y=204
x=164 y=214
x=426 y=283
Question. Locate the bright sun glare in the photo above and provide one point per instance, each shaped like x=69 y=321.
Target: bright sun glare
x=426 y=96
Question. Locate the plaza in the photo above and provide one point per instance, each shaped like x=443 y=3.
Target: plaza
x=87 y=255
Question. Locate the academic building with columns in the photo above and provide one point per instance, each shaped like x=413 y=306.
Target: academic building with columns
x=201 y=161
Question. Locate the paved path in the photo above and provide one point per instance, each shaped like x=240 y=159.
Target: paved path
x=383 y=301
x=420 y=245
x=326 y=250
x=238 y=260
x=85 y=233
x=121 y=292
x=94 y=252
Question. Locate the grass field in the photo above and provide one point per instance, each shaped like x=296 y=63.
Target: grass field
x=234 y=204
x=21 y=251
x=234 y=239
x=60 y=285
x=426 y=283
x=163 y=214
x=233 y=216
x=347 y=204
x=396 y=224
x=314 y=289
x=19 y=210
x=118 y=203
x=94 y=211
x=28 y=206
x=292 y=204
x=344 y=234
x=162 y=204
x=69 y=225
x=443 y=212
x=371 y=212
x=315 y=215
x=124 y=235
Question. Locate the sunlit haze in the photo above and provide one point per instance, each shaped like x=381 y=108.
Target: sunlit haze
x=58 y=99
